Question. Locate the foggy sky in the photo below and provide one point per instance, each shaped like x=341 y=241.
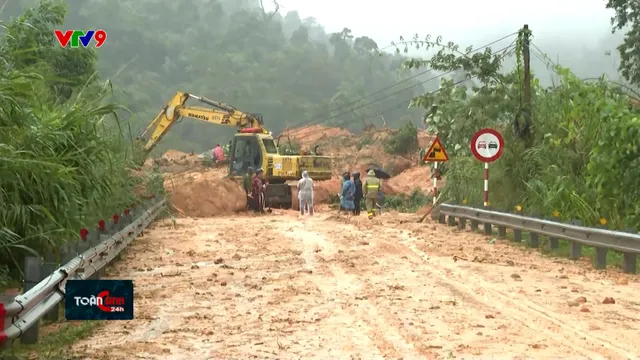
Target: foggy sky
x=458 y=20
x=577 y=33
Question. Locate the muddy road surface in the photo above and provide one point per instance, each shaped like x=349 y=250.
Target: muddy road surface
x=329 y=287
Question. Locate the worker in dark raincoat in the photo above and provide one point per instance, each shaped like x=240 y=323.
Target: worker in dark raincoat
x=358 y=195
x=258 y=190
x=348 y=194
x=371 y=188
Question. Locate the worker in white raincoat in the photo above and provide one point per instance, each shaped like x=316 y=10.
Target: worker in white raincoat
x=305 y=193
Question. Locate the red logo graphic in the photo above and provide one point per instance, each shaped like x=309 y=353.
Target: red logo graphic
x=104 y=301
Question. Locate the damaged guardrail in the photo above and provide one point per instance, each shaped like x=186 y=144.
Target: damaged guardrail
x=87 y=260
x=601 y=239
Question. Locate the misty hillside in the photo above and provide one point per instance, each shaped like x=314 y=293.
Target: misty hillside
x=286 y=68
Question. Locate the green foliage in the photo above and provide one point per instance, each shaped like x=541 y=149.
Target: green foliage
x=583 y=157
x=364 y=140
x=64 y=162
x=627 y=18
x=28 y=45
x=405 y=141
x=282 y=66
x=406 y=203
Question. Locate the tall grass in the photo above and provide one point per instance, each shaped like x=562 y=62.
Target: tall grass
x=62 y=166
x=65 y=159
x=581 y=165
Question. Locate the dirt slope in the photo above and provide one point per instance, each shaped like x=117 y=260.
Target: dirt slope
x=330 y=287
x=197 y=191
x=309 y=135
x=343 y=146
x=418 y=177
x=204 y=192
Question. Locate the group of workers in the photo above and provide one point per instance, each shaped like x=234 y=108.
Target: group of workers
x=353 y=191
x=351 y=194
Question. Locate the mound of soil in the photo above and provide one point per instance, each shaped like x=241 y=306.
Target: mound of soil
x=173 y=155
x=323 y=189
x=309 y=135
x=418 y=177
x=205 y=193
x=148 y=164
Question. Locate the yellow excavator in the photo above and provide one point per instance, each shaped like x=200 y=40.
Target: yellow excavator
x=253 y=146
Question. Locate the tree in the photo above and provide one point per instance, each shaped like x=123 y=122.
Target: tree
x=627 y=17
x=29 y=43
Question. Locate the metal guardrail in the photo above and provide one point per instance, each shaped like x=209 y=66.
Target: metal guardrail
x=27 y=309
x=577 y=236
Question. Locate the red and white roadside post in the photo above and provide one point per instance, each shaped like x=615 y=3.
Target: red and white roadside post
x=486 y=184
x=487 y=146
x=435 y=183
x=435 y=154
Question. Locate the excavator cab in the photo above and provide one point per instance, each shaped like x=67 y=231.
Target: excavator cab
x=250 y=150
x=245 y=152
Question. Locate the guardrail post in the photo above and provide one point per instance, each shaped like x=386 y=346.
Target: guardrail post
x=451 y=220
x=554 y=243
x=104 y=232
x=83 y=244
x=32 y=271
x=534 y=240
x=502 y=232
x=117 y=224
x=517 y=235
x=49 y=265
x=93 y=240
x=68 y=252
x=462 y=223
x=600 y=261
x=629 y=260
x=487 y=229
x=629 y=263
x=575 y=248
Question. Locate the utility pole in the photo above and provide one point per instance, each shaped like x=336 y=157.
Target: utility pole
x=526 y=94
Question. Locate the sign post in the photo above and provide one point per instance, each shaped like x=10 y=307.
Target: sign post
x=435 y=154
x=487 y=146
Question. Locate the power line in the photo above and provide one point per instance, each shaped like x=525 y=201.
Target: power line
x=394 y=93
x=418 y=74
x=404 y=103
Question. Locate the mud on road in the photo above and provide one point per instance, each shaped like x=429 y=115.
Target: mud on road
x=328 y=287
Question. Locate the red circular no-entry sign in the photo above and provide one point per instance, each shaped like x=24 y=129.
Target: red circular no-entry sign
x=487 y=145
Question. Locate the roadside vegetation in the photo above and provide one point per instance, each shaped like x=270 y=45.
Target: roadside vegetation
x=572 y=153
x=66 y=159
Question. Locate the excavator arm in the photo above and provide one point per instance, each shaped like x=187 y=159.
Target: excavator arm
x=221 y=114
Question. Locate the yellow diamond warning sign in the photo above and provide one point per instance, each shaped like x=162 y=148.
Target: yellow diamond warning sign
x=436 y=152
